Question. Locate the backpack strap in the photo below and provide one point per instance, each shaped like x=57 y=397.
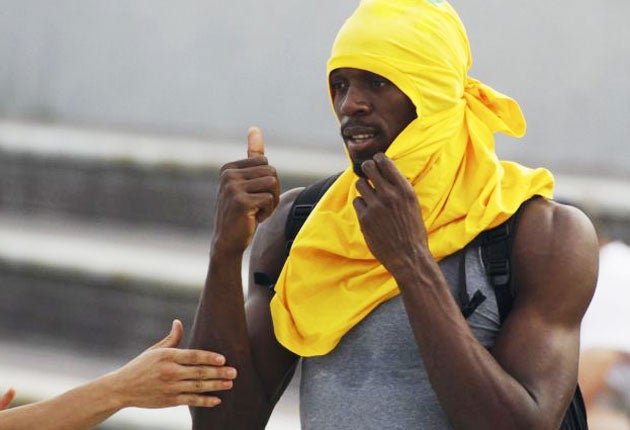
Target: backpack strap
x=300 y=210
x=575 y=416
x=496 y=251
x=496 y=248
x=303 y=206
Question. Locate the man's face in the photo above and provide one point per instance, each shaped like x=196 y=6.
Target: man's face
x=372 y=111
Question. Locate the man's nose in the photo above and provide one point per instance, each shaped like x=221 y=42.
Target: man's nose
x=354 y=103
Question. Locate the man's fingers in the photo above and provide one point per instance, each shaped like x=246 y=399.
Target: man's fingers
x=247 y=163
x=261 y=184
x=255 y=143
x=359 y=206
x=374 y=174
x=388 y=169
x=365 y=189
x=231 y=173
x=265 y=204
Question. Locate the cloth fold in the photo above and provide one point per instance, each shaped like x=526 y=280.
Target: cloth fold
x=330 y=280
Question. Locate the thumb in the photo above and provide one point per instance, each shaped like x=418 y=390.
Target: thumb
x=173 y=338
x=255 y=143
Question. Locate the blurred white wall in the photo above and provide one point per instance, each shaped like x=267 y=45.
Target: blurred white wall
x=214 y=67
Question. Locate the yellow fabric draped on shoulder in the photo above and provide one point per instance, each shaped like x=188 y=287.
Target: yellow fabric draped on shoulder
x=331 y=281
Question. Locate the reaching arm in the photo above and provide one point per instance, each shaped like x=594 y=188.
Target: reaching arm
x=162 y=376
x=528 y=378
x=248 y=194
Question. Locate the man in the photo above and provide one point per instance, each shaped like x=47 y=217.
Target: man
x=367 y=296
x=161 y=376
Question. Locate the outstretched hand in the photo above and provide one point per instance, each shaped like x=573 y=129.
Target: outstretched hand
x=165 y=376
x=7 y=398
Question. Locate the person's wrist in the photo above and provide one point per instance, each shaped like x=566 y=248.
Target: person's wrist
x=225 y=246
x=114 y=391
x=415 y=269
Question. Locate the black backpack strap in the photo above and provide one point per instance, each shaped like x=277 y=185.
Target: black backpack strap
x=496 y=247
x=302 y=207
x=575 y=416
x=300 y=210
x=467 y=304
x=496 y=250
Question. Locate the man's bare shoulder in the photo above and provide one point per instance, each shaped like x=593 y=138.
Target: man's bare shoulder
x=274 y=226
x=556 y=255
x=268 y=250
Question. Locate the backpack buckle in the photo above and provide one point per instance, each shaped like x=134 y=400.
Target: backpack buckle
x=302 y=211
x=496 y=234
x=499 y=271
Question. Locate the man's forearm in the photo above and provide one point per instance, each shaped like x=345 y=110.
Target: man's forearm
x=473 y=389
x=220 y=325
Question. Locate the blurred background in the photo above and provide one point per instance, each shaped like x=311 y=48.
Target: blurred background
x=116 y=116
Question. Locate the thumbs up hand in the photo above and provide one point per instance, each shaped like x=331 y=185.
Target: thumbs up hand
x=249 y=192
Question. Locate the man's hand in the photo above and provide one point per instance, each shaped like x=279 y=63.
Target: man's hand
x=165 y=376
x=7 y=398
x=249 y=192
x=389 y=215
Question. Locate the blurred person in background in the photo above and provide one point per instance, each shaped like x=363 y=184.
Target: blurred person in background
x=7 y=398
x=384 y=295
x=160 y=377
x=605 y=340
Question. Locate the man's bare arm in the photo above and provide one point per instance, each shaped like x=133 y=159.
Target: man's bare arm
x=529 y=377
x=269 y=365
x=248 y=194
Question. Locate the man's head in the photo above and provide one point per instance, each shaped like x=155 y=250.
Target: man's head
x=408 y=58
x=371 y=111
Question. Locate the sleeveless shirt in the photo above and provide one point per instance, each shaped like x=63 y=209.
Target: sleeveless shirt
x=375 y=377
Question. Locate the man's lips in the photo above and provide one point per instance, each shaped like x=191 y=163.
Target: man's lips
x=360 y=147
x=358 y=137
x=358 y=131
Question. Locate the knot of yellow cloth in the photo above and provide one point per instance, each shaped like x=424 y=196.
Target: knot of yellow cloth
x=330 y=280
x=497 y=111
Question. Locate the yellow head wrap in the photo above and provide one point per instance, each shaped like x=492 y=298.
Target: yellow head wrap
x=331 y=281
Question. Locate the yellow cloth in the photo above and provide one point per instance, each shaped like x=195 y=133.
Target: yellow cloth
x=331 y=281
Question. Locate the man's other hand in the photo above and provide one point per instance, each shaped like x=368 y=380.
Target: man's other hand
x=249 y=191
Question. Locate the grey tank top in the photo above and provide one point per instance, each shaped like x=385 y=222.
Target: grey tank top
x=375 y=378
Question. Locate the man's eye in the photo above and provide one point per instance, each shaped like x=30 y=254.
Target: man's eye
x=378 y=82
x=337 y=85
